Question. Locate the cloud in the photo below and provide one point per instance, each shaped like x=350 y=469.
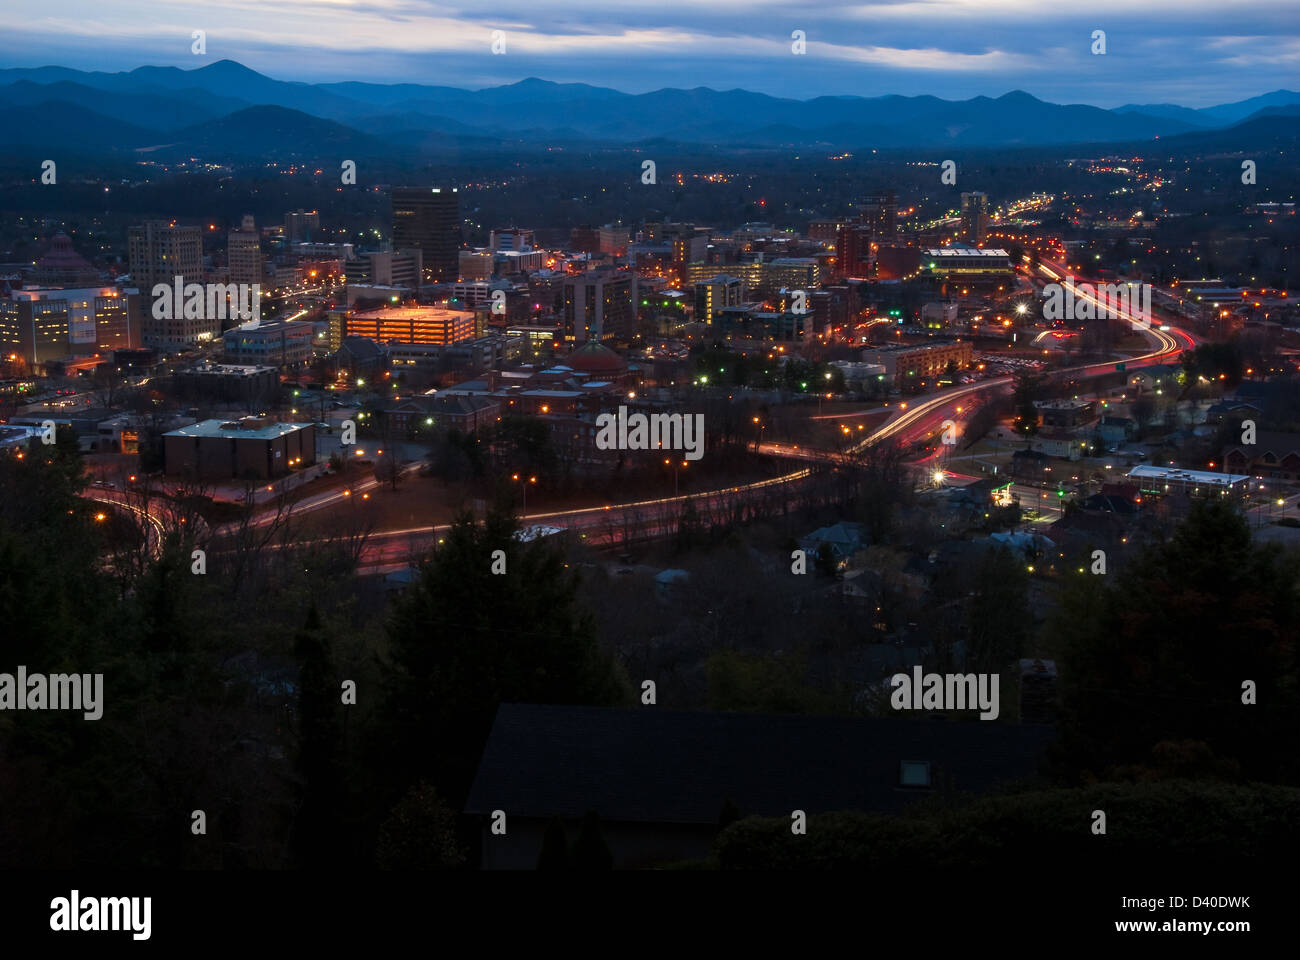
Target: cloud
x=907 y=47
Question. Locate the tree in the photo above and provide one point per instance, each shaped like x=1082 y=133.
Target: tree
x=998 y=620
x=590 y=852
x=555 y=847
x=419 y=834
x=1163 y=655
x=1028 y=388
x=319 y=739
x=690 y=528
x=464 y=639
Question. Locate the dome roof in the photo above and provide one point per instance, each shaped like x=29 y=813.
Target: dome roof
x=593 y=357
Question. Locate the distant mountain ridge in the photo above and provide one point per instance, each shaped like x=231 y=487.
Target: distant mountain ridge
x=226 y=107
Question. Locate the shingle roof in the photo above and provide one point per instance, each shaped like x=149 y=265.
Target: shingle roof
x=660 y=766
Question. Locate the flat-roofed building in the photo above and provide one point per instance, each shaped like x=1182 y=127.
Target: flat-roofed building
x=99 y=318
x=905 y=361
x=715 y=294
x=279 y=343
x=968 y=265
x=223 y=450
x=1163 y=480
x=385 y=268
x=36 y=330
x=418 y=324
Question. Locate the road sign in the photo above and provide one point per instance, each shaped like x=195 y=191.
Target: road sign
x=1119 y=368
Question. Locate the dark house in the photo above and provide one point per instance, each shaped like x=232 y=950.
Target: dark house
x=359 y=356
x=659 y=779
x=1273 y=454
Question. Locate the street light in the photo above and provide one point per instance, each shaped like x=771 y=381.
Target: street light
x=524 y=487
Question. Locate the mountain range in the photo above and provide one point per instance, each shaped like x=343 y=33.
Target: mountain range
x=224 y=109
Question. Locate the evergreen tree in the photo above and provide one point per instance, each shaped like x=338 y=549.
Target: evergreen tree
x=463 y=640
x=555 y=847
x=316 y=831
x=590 y=852
x=1162 y=656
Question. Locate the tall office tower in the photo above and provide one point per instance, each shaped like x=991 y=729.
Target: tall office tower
x=598 y=306
x=853 y=254
x=974 y=217
x=301 y=226
x=244 y=253
x=880 y=212
x=158 y=251
x=428 y=219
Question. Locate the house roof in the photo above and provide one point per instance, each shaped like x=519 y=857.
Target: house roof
x=1269 y=441
x=661 y=766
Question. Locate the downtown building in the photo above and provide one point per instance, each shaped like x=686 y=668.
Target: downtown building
x=386 y=268
x=428 y=219
x=597 y=306
x=904 y=362
x=438 y=326
x=276 y=343
x=715 y=294
x=158 y=251
x=253 y=447
x=41 y=325
x=301 y=226
x=244 y=253
x=974 y=217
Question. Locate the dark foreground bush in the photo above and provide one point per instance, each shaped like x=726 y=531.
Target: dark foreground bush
x=1169 y=823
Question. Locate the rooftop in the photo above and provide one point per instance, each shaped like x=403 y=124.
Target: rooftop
x=664 y=766
x=1206 y=477
x=250 y=428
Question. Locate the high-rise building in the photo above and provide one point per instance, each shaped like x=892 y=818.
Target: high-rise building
x=244 y=253
x=598 y=306
x=715 y=293
x=428 y=219
x=159 y=251
x=974 y=217
x=879 y=211
x=853 y=252
x=301 y=226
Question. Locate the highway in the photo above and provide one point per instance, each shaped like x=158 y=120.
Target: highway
x=909 y=421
